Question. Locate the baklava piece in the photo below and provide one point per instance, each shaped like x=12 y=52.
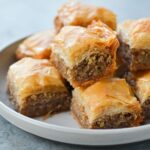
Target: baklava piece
x=36 y=88
x=142 y=90
x=134 y=37
x=108 y=103
x=77 y=14
x=85 y=55
x=36 y=46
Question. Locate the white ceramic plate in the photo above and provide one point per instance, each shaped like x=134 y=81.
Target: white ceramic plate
x=61 y=127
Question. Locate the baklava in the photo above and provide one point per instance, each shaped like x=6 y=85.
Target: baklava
x=78 y=14
x=36 y=88
x=141 y=87
x=85 y=55
x=36 y=46
x=134 y=37
x=108 y=103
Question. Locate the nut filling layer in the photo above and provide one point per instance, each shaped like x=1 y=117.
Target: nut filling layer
x=120 y=120
x=146 y=108
x=43 y=103
x=135 y=59
x=92 y=66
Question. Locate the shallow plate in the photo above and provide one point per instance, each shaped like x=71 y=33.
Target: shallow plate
x=61 y=127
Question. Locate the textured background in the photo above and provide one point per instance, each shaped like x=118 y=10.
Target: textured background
x=19 y=18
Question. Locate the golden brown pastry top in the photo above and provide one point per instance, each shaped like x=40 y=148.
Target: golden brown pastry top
x=74 y=41
x=107 y=96
x=136 y=33
x=75 y=13
x=36 y=46
x=29 y=76
x=143 y=85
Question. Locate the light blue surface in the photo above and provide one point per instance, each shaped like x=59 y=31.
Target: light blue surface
x=19 y=18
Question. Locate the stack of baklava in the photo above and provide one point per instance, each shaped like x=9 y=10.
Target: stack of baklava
x=76 y=67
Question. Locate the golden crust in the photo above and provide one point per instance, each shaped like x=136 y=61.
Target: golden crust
x=73 y=13
x=142 y=85
x=136 y=33
x=107 y=97
x=36 y=46
x=29 y=76
x=73 y=41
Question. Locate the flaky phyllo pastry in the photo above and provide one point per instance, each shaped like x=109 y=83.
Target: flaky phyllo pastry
x=78 y=14
x=134 y=51
x=36 y=46
x=36 y=88
x=142 y=90
x=85 y=55
x=108 y=103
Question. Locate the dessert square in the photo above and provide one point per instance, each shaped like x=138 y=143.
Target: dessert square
x=36 y=46
x=108 y=103
x=134 y=37
x=36 y=88
x=78 y=14
x=85 y=55
x=141 y=84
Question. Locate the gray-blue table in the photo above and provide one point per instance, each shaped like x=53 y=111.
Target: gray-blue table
x=19 y=18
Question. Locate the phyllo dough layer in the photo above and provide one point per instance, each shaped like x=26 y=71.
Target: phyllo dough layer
x=141 y=85
x=134 y=51
x=78 y=14
x=108 y=103
x=36 y=45
x=36 y=88
x=84 y=55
